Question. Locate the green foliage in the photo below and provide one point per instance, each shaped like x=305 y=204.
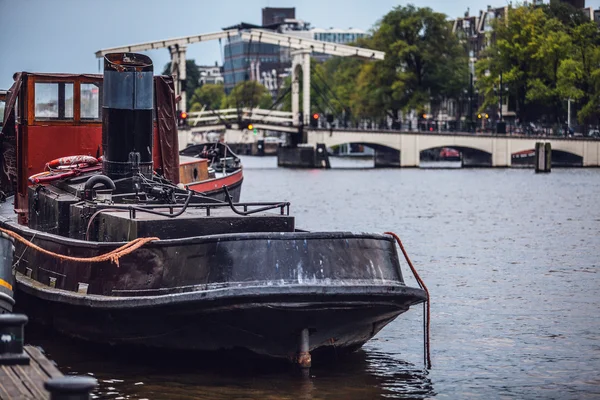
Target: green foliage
x=250 y=94
x=546 y=55
x=424 y=63
x=210 y=96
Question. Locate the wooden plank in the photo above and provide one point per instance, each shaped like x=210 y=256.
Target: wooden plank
x=10 y=385
x=27 y=381
x=44 y=364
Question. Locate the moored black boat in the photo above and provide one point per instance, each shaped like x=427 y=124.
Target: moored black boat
x=127 y=257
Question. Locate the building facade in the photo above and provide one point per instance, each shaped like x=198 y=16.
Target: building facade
x=210 y=74
x=270 y=64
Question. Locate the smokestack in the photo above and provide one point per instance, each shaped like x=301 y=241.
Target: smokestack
x=127 y=126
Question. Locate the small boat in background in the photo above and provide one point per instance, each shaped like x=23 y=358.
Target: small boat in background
x=206 y=167
x=449 y=154
x=524 y=158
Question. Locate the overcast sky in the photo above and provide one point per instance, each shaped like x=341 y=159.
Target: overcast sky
x=63 y=35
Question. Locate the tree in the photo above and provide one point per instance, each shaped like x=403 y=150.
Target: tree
x=249 y=94
x=209 y=96
x=192 y=78
x=546 y=55
x=579 y=76
x=516 y=55
x=424 y=63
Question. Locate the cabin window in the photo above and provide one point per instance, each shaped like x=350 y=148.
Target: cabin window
x=91 y=100
x=53 y=100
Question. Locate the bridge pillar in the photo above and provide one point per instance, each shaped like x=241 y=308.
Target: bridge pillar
x=591 y=154
x=543 y=157
x=301 y=62
x=501 y=153
x=178 y=71
x=409 y=150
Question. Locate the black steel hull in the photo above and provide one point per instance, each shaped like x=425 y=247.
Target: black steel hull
x=266 y=322
x=253 y=291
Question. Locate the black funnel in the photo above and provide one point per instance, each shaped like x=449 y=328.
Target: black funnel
x=127 y=126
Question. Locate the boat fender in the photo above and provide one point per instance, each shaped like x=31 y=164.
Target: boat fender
x=95 y=180
x=72 y=161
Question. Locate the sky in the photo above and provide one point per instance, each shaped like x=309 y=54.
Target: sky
x=63 y=35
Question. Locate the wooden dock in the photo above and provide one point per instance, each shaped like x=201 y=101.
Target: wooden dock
x=25 y=373
x=27 y=381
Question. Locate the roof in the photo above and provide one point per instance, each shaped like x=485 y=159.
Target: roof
x=242 y=25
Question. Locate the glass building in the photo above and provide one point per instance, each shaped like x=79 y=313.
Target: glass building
x=250 y=61
x=269 y=63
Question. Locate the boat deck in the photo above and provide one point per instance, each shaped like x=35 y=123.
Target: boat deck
x=27 y=381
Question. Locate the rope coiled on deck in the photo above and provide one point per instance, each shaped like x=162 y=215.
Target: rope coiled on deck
x=112 y=256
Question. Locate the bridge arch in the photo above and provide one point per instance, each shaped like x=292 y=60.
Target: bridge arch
x=469 y=156
x=375 y=140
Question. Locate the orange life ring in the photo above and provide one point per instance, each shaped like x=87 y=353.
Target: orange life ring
x=72 y=161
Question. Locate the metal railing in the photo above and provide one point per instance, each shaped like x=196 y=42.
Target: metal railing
x=232 y=115
x=487 y=127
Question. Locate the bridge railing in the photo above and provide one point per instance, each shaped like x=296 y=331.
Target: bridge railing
x=231 y=115
x=487 y=127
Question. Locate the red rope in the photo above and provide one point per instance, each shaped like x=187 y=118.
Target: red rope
x=422 y=285
x=112 y=256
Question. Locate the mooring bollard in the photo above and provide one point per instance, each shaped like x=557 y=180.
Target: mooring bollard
x=12 y=339
x=543 y=157
x=71 y=387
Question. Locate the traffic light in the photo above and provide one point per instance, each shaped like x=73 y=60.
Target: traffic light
x=314 y=120
x=330 y=118
x=182 y=118
x=246 y=125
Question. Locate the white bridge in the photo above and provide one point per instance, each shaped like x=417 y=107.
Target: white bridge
x=404 y=148
x=301 y=49
x=230 y=118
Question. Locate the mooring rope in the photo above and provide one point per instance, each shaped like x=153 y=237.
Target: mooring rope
x=112 y=256
x=426 y=310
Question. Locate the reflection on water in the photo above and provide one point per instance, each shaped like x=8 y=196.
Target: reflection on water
x=138 y=375
x=511 y=259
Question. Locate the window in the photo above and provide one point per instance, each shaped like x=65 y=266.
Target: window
x=53 y=100
x=91 y=95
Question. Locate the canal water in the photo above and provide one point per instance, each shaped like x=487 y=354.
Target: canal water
x=512 y=262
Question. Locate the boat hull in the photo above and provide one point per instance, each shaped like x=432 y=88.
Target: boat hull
x=214 y=187
x=253 y=291
x=265 y=322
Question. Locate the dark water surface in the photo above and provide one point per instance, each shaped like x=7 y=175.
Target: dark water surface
x=511 y=259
